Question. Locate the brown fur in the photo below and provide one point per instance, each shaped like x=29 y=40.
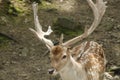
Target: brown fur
x=57 y=50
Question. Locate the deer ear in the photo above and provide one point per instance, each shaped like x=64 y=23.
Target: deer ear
x=69 y=51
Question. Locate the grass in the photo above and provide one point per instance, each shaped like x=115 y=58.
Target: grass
x=46 y=5
x=68 y=32
x=67 y=26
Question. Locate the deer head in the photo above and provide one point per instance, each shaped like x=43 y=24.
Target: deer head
x=61 y=54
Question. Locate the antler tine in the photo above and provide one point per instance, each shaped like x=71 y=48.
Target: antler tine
x=36 y=21
x=98 y=9
x=40 y=34
x=61 y=39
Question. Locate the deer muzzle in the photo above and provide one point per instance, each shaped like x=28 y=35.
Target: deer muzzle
x=51 y=71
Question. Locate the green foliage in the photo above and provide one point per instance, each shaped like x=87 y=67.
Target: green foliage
x=46 y=5
x=22 y=7
x=67 y=26
x=17 y=7
x=68 y=32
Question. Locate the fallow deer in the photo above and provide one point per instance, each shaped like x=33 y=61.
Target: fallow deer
x=81 y=62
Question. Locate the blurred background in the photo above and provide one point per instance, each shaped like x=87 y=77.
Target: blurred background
x=24 y=57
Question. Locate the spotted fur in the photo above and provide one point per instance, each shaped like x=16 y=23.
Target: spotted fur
x=91 y=56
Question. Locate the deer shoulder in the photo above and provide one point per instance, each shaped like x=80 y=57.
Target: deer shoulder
x=91 y=55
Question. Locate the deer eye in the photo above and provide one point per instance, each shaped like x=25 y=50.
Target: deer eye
x=64 y=57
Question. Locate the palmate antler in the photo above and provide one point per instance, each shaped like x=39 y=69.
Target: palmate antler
x=98 y=9
x=41 y=34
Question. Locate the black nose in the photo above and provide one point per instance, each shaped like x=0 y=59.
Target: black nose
x=50 y=71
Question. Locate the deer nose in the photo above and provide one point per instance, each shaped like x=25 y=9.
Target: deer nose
x=50 y=71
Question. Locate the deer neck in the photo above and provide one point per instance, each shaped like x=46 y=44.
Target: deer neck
x=73 y=71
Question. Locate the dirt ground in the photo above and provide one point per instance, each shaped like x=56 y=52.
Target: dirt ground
x=23 y=56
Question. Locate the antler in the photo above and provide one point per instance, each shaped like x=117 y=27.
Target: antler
x=98 y=10
x=41 y=34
